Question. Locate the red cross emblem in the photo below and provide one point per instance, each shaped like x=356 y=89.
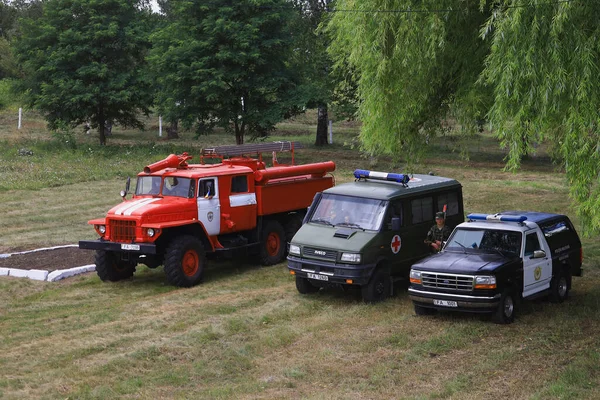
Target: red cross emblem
x=396 y=244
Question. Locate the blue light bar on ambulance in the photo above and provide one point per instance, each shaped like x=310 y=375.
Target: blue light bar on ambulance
x=384 y=176
x=497 y=217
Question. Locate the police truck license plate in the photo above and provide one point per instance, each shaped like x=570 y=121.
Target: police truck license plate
x=445 y=303
x=317 y=277
x=130 y=246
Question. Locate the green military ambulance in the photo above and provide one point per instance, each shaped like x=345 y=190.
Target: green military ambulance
x=369 y=232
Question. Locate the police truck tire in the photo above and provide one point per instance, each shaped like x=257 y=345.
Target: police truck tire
x=420 y=310
x=304 y=286
x=272 y=243
x=110 y=267
x=505 y=313
x=185 y=259
x=378 y=288
x=559 y=287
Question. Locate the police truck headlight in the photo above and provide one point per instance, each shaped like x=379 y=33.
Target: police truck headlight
x=350 y=257
x=294 y=249
x=151 y=232
x=485 y=282
x=415 y=277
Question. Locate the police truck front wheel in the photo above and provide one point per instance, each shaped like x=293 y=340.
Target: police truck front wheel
x=110 y=267
x=184 y=261
x=505 y=313
x=378 y=288
x=304 y=286
x=272 y=243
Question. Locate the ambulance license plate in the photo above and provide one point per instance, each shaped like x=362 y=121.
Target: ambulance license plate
x=317 y=277
x=445 y=303
x=130 y=247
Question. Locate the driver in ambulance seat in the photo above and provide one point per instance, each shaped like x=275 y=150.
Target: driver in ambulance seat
x=438 y=233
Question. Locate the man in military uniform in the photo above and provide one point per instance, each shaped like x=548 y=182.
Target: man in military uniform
x=438 y=233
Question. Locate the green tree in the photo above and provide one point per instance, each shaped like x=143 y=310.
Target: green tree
x=83 y=61
x=226 y=63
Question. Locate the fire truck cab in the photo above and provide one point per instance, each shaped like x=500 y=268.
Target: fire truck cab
x=181 y=212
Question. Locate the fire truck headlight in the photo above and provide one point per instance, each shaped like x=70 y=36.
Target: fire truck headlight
x=102 y=229
x=294 y=249
x=151 y=232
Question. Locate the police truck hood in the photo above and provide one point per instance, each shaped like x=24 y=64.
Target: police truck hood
x=457 y=262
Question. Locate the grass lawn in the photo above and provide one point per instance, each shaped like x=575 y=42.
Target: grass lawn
x=245 y=332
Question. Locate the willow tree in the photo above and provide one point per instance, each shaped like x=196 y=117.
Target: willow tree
x=413 y=65
x=544 y=67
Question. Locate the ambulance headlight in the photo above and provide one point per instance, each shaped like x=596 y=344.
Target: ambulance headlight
x=485 y=282
x=350 y=257
x=294 y=249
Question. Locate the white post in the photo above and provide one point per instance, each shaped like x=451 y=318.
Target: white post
x=159 y=126
x=330 y=132
x=20 y=118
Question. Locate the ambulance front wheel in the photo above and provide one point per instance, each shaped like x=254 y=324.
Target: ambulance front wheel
x=304 y=286
x=272 y=243
x=378 y=288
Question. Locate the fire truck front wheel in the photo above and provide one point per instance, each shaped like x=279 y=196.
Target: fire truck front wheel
x=272 y=243
x=110 y=267
x=184 y=261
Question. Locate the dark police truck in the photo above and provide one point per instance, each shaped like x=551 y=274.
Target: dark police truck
x=491 y=262
x=369 y=232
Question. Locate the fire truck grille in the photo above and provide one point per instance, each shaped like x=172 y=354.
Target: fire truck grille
x=463 y=283
x=122 y=231
x=318 y=253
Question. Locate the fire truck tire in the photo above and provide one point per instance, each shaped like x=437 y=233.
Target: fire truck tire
x=110 y=268
x=304 y=286
x=505 y=313
x=378 y=288
x=272 y=243
x=559 y=287
x=184 y=261
x=292 y=225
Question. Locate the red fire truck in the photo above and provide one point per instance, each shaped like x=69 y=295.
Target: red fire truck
x=231 y=201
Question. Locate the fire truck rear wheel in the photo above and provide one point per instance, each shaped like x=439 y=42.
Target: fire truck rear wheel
x=184 y=261
x=110 y=268
x=272 y=243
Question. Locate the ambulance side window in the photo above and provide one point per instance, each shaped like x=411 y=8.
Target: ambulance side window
x=422 y=210
x=394 y=211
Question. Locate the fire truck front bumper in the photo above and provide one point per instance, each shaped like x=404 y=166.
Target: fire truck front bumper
x=137 y=248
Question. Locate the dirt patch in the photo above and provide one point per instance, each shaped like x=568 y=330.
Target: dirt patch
x=49 y=260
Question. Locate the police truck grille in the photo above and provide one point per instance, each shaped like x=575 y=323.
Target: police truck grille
x=318 y=253
x=122 y=231
x=462 y=283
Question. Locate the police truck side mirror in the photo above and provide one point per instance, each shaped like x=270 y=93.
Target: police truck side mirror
x=396 y=224
x=539 y=254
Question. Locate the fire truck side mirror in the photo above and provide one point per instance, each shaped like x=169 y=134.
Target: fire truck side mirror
x=126 y=191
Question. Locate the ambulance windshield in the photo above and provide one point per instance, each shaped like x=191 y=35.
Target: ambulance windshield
x=347 y=211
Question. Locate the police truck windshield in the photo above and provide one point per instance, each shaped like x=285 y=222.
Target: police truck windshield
x=486 y=240
x=347 y=211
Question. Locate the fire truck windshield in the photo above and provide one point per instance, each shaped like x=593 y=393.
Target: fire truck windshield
x=148 y=185
x=353 y=212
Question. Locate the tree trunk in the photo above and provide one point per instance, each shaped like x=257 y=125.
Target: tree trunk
x=101 y=127
x=239 y=133
x=322 y=119
x=172 y=130
x=108 y=128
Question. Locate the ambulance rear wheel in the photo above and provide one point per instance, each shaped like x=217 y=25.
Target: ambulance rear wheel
x=304 y=286
x=272 y=243
x=184 y=261
x=505 y=313
x=378 y=288
x=110 y=267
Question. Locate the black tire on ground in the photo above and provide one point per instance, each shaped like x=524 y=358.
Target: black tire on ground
x=559 y=286
x=185 y=260
x=378 y=288
x=272 y=243
x=420 y=310
x=304 y=286
x=110 y=267
x=505 y=313
x=292 y=225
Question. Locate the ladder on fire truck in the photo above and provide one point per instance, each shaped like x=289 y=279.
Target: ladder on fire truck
x=252 y=149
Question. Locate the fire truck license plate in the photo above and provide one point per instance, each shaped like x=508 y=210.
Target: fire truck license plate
x=130 y=247
x=445 y=303
x=317 y=277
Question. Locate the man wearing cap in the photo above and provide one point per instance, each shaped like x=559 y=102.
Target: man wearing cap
x=438 y=233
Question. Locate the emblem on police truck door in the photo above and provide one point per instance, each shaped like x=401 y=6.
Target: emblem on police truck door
x=396 y=244
x=537 y=273
x=210 y=216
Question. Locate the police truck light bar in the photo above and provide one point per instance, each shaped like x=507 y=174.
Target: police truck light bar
x=496 y=217
x=384 y=176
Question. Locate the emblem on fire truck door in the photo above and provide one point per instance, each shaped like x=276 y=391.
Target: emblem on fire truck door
x=210 y=216
x=396 y=244
x=537 y=273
